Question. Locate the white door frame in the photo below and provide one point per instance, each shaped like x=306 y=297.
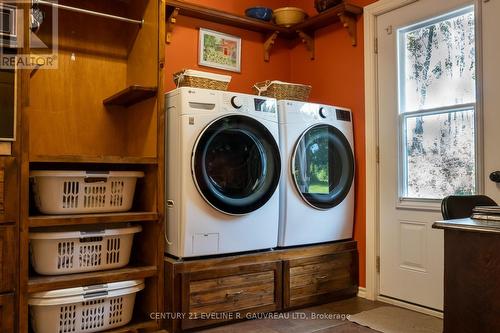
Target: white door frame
x=370 y=14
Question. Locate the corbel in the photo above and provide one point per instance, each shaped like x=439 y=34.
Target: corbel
x=349 y=22
x=308 y=42
x=268 y=45
x=172 y=19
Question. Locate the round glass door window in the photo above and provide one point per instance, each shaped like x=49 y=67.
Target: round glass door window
x=236 y=164
x=323 y=166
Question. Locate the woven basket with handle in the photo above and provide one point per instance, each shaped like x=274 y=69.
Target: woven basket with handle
x=182 y=79
x=283 y=90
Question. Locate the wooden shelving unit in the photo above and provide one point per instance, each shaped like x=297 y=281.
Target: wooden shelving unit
x=44 y=283
x=345 y=13
x=97 y=57
x=130 y=96
x=85 y=219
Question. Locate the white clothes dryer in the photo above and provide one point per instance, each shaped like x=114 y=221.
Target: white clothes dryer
x=317 y=189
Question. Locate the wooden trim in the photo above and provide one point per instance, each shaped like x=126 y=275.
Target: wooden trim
x=93 y=159
x=44 y=283
x=62 y=220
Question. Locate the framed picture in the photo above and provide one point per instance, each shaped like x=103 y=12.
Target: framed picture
x=219 y=50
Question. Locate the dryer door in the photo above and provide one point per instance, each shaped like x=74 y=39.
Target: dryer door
x=236 y=164
x=323 y=166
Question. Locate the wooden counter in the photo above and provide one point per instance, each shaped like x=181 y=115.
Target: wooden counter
x=471 y=275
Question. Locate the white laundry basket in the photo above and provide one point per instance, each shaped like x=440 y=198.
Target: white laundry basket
x=84 y=309
x=55 y=253
x=76 y=192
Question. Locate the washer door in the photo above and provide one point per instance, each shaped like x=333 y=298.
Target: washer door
x=323 y=166
x=236 y=164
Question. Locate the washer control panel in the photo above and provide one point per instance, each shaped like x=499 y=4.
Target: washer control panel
x=249 y=103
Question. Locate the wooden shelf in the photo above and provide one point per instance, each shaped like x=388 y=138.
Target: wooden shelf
x=83 y=219
x=345 y=13
x=134 y=326
x=217 y=16
x=44 y=283
x=130 y=96
x=93 y=159
x=328 y=17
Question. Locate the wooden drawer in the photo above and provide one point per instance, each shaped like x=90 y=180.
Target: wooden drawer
x=320 y=279
x=7 y=313
x=229 y=293
x=8 y=263
x=8 y=190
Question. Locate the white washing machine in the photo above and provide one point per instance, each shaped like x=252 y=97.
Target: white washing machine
x=223 y=170
x=317 y=189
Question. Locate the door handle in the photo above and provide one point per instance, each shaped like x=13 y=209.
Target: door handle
x=495 y=176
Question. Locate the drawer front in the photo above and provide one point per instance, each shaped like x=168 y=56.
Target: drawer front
x=218 y=295
x=8 y=190
x=320 y=279
x=8 y=264
x=7 y=313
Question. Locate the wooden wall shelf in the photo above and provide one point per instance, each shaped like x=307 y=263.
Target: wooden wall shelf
x=85 y=219
x=130 y=96
x=344 y=13
x=93 y=159
x=44 y=283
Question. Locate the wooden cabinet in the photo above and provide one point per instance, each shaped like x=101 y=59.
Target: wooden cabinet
x=7 y=313
x=211 y=291
x=8 y=190
x=218 y=295
x=316 y=279
x=8 y=259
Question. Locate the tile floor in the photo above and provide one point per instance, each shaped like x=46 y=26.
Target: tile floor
x=325 y=318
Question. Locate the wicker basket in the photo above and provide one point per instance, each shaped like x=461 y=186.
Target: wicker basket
x=199 y=79
x=283 y=90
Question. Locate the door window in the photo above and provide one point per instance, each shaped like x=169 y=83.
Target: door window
x=236 y=164
x=437 y=106
x=323 y=166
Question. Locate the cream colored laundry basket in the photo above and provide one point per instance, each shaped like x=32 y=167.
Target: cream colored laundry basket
x=84 y=309
x=77 y=192
x=64 y=252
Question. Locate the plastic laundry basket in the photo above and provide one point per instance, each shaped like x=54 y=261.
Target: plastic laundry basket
x=54 y=253
x=84 y=309
x=74 y=192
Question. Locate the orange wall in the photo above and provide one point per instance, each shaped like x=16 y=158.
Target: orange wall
x=182 y=53
x=336 y=75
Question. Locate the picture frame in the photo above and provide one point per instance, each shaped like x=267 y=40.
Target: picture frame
x=219 y=50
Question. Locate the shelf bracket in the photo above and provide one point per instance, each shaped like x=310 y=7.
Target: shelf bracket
x=349 y=22
x=268 y=45
x=308 y=41
x=172 y=19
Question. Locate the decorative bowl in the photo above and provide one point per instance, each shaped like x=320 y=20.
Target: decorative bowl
x=260 y=13
x=288 y=16
x=322 y=5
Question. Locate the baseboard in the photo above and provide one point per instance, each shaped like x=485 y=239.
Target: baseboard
x=409 y=306
x=362 y=292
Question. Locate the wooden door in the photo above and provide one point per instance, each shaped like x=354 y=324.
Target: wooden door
x=7 y=313
x=8 y=190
